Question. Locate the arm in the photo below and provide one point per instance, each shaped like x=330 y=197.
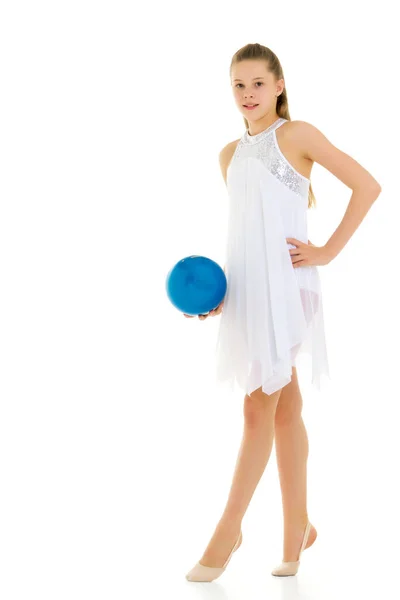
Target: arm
x=315 y=146
x=360 y=202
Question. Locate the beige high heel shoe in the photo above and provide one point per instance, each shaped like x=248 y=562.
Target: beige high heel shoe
x=202 y=573
x=291 y=568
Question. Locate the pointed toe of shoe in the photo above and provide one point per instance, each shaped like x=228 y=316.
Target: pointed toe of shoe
x=203 y=573
x=286 y=568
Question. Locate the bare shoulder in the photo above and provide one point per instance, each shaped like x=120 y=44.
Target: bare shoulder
x=290 y=137
x=225 y=156
x=294 y=132
x=311 y=145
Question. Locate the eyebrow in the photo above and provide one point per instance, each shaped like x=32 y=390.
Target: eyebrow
x=254 y=78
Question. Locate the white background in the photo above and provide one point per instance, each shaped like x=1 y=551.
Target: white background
x=117 y=448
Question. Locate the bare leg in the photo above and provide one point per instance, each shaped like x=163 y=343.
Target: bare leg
x=291 y=445
x=258 y=435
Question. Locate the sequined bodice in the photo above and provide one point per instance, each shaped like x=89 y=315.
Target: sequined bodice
x=264 y=146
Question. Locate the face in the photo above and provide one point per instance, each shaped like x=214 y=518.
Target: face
x=252 y=83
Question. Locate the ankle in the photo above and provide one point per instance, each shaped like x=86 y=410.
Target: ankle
x=230 y=522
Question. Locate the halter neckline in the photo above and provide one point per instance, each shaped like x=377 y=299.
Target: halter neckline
x=253 y=139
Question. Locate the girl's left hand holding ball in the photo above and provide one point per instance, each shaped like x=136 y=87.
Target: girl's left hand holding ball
x=212 y=313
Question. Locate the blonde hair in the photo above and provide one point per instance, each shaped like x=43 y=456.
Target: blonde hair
x=259 y=52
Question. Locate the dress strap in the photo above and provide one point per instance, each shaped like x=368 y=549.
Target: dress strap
x=279 y=122
x=254 y=139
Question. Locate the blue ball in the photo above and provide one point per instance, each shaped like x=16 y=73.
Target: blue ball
x=196 y=285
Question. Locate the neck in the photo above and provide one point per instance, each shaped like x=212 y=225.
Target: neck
x=259 y=126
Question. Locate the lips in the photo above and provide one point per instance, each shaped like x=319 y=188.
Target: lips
x=249 y=105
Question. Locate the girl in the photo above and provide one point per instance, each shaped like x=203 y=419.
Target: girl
x=273 y=306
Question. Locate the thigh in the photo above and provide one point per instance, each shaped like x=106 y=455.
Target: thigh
x=259 y=403
x=264 y=398
x=290 y=402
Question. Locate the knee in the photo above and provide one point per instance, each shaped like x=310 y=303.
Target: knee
x=288 y=412
x=258 y=405
x=290 y=402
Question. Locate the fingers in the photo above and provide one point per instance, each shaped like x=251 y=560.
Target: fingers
x=217 y=310
x=212 y=313
x=201 y=317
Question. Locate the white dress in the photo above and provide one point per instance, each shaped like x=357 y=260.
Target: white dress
x=272 y=311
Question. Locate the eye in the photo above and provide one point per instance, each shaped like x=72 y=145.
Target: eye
x=260 y=82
